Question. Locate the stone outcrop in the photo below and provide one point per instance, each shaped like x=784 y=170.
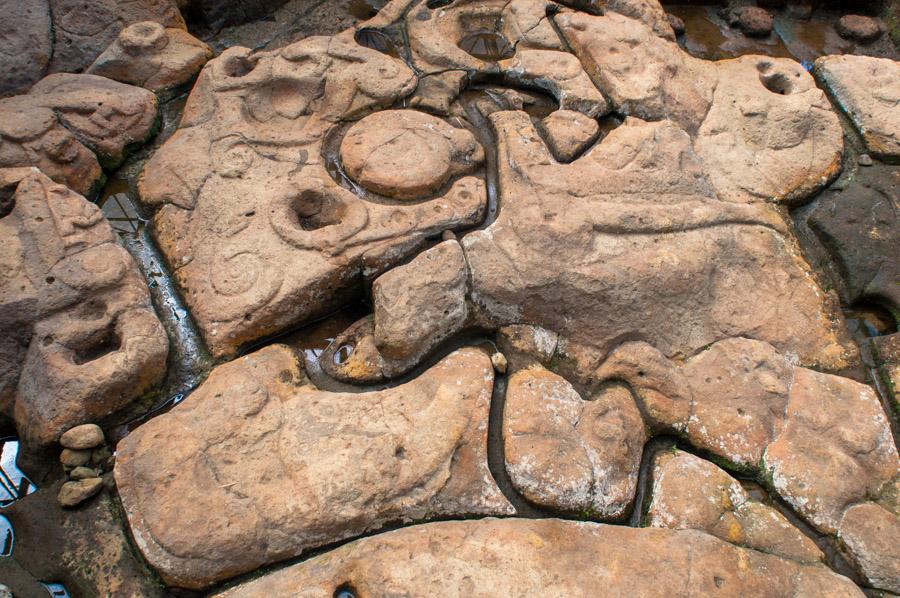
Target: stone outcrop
x=80 y=338
x=860 y=229
x=258 y=233
x=760 y=126
x=26 y=46
x=690 y=493
x=868 y=90
x=569 y=454
x=257 y=465
x=569 y=133
x=407 y=154
x=860 y=28
x=549 y=557
x=151 y=56
x=70 y=125
x=53 y=36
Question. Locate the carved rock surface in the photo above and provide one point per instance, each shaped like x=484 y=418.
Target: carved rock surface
x=407 y=154
x=258 y=233
x=569 y=454
x=690 y=493
x=761 y=127
x=642 y=249
x=569 y=133
x=548 y=557
x=868 y=90
x=151 y=56
x=83 y=29
x=860 y=228
x=257 y=465
x=68 y=125
x=26 y=46
x=80 y=338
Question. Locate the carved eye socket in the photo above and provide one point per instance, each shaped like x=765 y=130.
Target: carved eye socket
x=345 y=591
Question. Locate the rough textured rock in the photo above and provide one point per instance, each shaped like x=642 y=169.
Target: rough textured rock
x=860 y=28
x=860 y=228
x=868 y=90
x=823 y=442
x=870 y=531
x=81 y=339
x=416 y=307
x=549 y=557
x=835 y=449
x=761 y=127
x=257 y=465
x=631 y=226
x=258 y=233
x=690 y=493
x=83 y=29
x=514 y=40
x=87 y=549
x=72 y=494
x=65 y=120
x=753 y=20
x=85 y=436
x=406 y=154
x=26 y=45
x=887 y=359
x=151 y=56
x=570 y=454
x=569 y=133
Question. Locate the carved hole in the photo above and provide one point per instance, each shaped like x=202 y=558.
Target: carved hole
x=345 y=591
x=7 y=199
x=50 y=280
x=96 y=347
x=239 y=66
x=315 y=210
x=486 y=45
x=776 y=83
x=342 y=354
x=377 y=40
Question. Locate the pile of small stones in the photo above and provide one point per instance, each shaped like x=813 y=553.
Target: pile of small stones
x=84 y=457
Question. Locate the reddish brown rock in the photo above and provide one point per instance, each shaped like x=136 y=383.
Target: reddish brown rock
x=83 y=29
x=569 y=454
x=257 y=465
x=84 y=340
x=867 y=89
x=85 y=436
x=569 y=133
x=407 y=154
x=761 y=127
x=753 y=20
x=259 y=235
x=548 y=557
x=26 y=45
x=151 y=56
x=68 y=125
x=860 y=28
x=870 y=532
x=887 y=360
x=690 y=493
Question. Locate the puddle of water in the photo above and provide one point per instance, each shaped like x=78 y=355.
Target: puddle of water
x=379 y=41
x=57 y=590
x=6 y=537
x=489 y=46
x=115 y=204
x=314 y=338
x=708 y=36
x=870 y=320
x=14 y=484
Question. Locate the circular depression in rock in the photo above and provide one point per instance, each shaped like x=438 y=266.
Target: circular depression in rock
x=399 y=153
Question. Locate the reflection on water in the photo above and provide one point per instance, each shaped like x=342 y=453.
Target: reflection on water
x=117 y=207
x=57 y=590
x=14 y=484
x=870 y=320
x=486 y=45
x=6 y=537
